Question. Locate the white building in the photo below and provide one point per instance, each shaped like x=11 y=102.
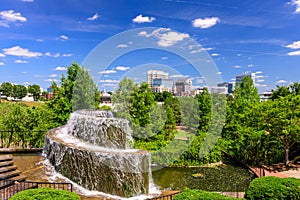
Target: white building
x=156 y=74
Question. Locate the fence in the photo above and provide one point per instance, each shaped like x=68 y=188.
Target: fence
x=165 y=197
x=13 y=187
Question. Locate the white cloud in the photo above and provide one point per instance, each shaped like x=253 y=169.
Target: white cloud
x=111 y=71
x=61 y=68
x=21 y=61
x=260 y=80
x=250 y=65
x=297 y=4
x=27 y=0
x=294 y=45
x=63 y=37
x=122 y=68
x=143 y=33
x=94 y=17
x=239 y=54
x=281 y=81
x=2 y=55
x=11 y=16
x=140 y=19
x=56 y=55
x=67 y=55
x=4 y=24
x=53 y=75
x=109 y=81
x=51 y=80
x=164 y=58
x=19 y=51
x=215 y=54
x=205 y=22
x=294 y=53
x=258 y=72
x=219 y=73
x=122 y=46
x=237 y=66
x=177 y=76
x=108 y=85
x=1 y=63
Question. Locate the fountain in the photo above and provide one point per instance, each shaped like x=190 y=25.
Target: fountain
x=93 y=150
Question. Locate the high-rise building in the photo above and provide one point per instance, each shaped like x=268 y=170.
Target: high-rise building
x=239 y=78
x=162 y=85
x=183 y=87
x=227 y=85
x=156 y=74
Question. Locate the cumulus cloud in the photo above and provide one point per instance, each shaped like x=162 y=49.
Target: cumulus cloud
x=215 y=54
x=10 y=16
x=27 y=0
x=166 y=37
x=250 y=65
x=21 y=61
x=108 y=81
x=122 y=68
x=2 y=55
x=296 y=3
x=51 y=80
x=94 y=17
x=63 y=37
x=58 y=68
x=281 y=81
x=55 y=55
x=19 y=51
x=53 y=75
x=294 y=45
x=122 y=46
x=111 y=71
x=140 y=19
x=205 y=22
x=1 y=63
x=164 y=58
x=237 y=66
x=294 y=53
x=67 y=55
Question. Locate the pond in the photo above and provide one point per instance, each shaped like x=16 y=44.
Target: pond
x=218 y=178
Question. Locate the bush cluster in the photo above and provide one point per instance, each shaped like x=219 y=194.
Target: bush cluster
x=274 y=188
x=45 y=194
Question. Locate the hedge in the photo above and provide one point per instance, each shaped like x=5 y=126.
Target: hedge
x=45 y=194
x=273 y=188
x=188 y=194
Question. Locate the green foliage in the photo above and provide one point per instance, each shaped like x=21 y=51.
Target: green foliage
x=6 y=88
x=19 y=91
x=77 y=91
x=274 y=188
x=25 y=126
x=188 y=194
x=45 y=194
x=104 y=107
x=35 y=90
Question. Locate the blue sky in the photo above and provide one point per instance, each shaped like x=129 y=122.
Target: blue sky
x=40 y=38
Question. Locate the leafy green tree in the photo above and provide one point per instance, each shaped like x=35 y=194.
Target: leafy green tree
x=35 y=90
x=19 y=91
x=205 y=102
x=77 y=91
x=281 y=91
x=6 y=88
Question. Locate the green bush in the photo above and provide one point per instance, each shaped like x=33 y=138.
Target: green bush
x=200 y=194
x=274 y=188
x=45 y=194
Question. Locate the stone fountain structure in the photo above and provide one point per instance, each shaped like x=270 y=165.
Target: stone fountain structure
x=94 y=150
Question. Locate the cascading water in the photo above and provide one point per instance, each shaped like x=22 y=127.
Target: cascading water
x=93 y=150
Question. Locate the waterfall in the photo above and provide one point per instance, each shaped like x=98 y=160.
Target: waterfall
x=94 y=150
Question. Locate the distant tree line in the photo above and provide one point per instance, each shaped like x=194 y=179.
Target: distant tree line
x=20 y=91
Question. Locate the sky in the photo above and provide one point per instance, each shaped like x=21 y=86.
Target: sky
x=201 y=39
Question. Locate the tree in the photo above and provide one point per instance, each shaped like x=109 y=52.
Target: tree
x=6 y=88
x=77 y=83
x=281 y=91
x=205 y=104
x=19 y=91
x=35 y=90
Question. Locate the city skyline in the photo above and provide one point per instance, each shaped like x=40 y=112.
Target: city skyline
x=39 y=39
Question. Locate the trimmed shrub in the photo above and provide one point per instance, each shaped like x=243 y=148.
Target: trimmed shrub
x=270 y=187
x=45 y=194
x=200 y=195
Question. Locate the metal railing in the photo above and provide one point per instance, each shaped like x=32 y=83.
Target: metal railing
x=11 y=188
x=165 y=197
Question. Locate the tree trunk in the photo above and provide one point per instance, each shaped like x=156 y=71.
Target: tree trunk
x=10 y=139
x=286 y=156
